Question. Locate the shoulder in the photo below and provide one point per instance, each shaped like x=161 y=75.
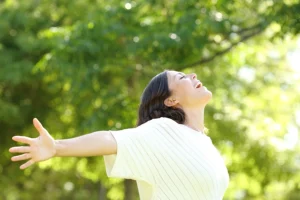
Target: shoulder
x=161 y=124
x=162 y=121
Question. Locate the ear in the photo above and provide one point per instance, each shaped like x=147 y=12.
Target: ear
x=171 y=101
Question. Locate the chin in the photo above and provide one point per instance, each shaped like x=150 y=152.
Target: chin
x=206 y=97
x=209 y=94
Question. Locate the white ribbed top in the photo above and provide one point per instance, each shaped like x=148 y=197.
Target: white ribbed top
x=169 y=161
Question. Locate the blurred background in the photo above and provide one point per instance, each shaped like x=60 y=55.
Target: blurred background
x=81 y=66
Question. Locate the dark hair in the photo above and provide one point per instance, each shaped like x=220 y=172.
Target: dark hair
x=152 y=101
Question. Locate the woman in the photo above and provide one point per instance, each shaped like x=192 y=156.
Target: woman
x=167 y=153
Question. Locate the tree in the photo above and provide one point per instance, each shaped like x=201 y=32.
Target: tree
x=81 y=66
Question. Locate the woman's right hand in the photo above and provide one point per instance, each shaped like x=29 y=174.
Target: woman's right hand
x=39 y=149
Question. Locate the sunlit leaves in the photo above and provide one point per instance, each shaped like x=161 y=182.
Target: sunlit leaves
x=81 y=66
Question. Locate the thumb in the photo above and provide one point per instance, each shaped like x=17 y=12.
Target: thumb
x=39 y=127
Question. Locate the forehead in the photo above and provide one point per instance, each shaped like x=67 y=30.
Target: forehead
x=172 y=74
x=172 y=77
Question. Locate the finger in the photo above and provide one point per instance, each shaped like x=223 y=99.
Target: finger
x=37 y=124
x=39 y=127
x=20 y=149
x=23 y=139
x=24 y=156
x=27 y=164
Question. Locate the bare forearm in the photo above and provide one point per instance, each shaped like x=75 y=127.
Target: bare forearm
x=93 y=144
x=45 y=146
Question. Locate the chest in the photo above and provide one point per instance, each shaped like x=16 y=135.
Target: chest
x=195 y=163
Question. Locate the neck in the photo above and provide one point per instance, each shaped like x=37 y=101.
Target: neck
x=194 y=118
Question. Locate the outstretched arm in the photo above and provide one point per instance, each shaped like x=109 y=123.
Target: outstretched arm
x=45 y=147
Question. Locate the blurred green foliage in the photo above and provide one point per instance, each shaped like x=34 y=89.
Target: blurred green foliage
x=80 y=66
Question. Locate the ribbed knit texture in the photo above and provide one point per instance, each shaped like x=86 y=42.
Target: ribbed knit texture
x=169 y=161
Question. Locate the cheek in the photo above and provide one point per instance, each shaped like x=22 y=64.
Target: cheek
x=185 y=90
x=186 y=85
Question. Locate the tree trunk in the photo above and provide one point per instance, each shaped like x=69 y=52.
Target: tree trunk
x=130 y=188
x=102 y=192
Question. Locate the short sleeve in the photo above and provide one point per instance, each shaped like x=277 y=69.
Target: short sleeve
x=136 y=151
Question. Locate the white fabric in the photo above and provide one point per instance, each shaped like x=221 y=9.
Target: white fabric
x=169 y=161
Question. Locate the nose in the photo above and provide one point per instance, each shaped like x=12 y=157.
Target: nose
x=194 y=76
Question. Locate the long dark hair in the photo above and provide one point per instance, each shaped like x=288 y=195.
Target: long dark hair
x=152 y=101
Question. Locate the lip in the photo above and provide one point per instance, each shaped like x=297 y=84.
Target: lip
x=198 y=85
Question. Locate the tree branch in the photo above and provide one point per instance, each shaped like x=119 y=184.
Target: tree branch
x=206 y=60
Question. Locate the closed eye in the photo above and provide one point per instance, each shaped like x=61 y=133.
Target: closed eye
x=182 y=77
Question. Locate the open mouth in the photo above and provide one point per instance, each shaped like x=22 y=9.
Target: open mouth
x=199 y=85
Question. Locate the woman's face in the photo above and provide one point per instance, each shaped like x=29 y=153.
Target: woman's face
x=186 y=90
